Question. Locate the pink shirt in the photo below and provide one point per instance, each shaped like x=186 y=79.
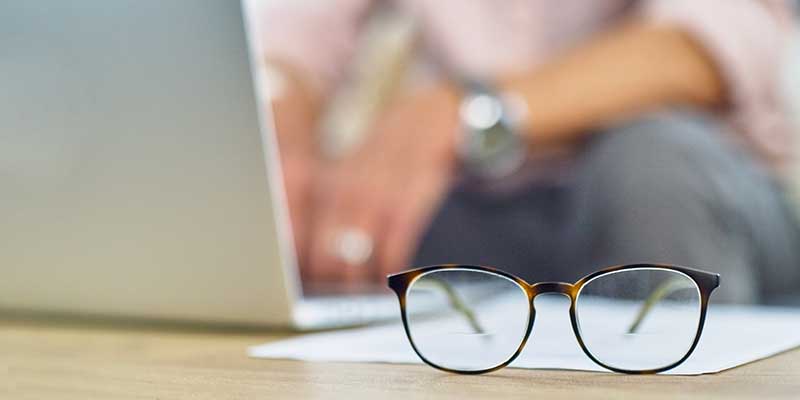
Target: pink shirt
x=484 y=38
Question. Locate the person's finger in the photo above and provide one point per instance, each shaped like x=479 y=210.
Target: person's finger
x=323 y=266
x=408 y=220
x=344 y=248
x=344 y=235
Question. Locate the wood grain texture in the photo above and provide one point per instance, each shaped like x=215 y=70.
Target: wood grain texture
x=68 y=360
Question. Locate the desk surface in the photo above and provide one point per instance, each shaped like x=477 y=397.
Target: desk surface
x=68 y=360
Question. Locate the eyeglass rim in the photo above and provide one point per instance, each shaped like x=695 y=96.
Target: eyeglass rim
x=705 y=282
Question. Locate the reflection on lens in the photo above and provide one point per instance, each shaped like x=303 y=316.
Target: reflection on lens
x=639 y=319
x=466 y=320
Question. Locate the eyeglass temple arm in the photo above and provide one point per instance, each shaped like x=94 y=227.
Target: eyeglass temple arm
x=457 y=303
x=662 y=291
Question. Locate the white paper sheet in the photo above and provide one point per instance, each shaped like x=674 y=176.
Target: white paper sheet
x=733 y=335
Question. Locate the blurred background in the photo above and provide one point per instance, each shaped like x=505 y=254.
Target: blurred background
x=548 y=139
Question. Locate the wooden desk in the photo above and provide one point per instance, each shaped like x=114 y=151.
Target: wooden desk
x=68 y=360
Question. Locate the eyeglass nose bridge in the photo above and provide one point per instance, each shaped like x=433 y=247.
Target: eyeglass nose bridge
x=566 y=289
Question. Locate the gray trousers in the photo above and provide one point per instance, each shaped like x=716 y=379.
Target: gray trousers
x=670 y=188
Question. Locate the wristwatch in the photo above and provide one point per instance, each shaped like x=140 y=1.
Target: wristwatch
x=490 y=147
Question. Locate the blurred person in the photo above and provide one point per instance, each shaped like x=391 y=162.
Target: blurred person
x=653 y=131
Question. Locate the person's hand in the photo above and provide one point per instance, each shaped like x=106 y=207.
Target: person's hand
x=373 y=205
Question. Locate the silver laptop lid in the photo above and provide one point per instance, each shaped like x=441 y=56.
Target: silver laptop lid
x=132 y=169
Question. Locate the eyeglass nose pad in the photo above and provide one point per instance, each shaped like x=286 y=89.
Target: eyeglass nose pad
x=552 y=287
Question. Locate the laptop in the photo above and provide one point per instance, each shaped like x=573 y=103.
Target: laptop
x=140 y=176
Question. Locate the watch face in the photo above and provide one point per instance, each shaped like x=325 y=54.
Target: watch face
x=481 y=111
x=482 y=116
x=491 y=148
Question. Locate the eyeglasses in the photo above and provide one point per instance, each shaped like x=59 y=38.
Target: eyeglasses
x=636 y=319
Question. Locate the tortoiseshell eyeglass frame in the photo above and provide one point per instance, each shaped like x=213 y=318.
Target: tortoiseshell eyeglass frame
x=706 y=283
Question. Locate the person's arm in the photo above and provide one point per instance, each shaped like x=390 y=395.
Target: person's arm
x=721 y=55
x=624 y=72
x=748 y=41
